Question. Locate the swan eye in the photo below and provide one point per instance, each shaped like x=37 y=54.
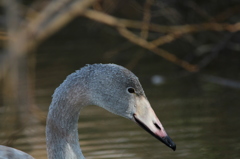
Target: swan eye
x=131 y=90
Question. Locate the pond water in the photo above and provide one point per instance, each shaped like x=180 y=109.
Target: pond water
x=203 y=126
x=201 y=117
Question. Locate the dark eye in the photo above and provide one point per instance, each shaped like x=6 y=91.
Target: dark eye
x=131 y=90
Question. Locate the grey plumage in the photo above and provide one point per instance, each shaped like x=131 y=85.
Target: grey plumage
x=104 y=85
x=11 y=153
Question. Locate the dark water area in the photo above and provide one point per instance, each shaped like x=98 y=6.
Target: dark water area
x=201 y=115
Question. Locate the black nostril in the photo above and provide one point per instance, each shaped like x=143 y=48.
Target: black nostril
x=157 y=126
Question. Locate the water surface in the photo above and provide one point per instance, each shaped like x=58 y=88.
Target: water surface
x=202 y=118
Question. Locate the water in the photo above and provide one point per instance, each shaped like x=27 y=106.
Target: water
x=203 y=126
x=201 y=117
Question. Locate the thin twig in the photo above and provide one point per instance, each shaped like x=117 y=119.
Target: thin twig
x=110 y=20
x=143 y=34
x=175 y=31
x=227 y=13
x=43 y=27
x=215 y=50
x=145 y=44
x=146 y=19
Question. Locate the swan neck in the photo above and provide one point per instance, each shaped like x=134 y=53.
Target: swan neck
x=62 y=128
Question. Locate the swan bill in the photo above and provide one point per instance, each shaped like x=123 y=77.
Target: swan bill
x=147 y=119
x=164 y=139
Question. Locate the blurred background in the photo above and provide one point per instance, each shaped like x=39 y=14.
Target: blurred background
x=186 y=54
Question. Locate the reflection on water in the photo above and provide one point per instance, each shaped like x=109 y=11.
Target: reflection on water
x=202 y=118
x=203 y=127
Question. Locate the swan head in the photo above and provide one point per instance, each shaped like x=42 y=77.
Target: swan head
x=119 y=91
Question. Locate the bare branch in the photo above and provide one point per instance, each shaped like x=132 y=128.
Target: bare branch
x=146 y=19
x=50 y=21
x=168 y=56
x=144 y=33
x=30 y=35
x=175 y=31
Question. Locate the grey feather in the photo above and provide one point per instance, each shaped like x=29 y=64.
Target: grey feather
x=104 y=85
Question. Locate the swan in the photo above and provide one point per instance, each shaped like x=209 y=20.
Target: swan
x=109 y=86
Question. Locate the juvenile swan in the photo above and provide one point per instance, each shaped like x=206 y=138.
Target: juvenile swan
x=109 y=86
